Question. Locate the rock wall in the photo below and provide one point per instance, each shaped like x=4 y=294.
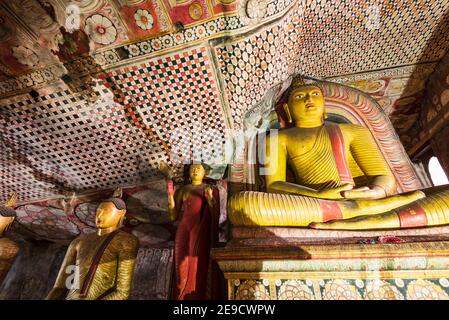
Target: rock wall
x=436 y=112
x=34 y=271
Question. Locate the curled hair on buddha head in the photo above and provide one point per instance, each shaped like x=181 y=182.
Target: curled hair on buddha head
x=203 y=164
x=118 y=203
x=298 y=82
x=116 y=199
x=7 y=212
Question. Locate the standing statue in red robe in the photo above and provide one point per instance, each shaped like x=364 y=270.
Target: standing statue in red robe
x=197 y=206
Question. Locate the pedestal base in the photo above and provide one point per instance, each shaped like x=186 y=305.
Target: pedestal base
x=279 y=268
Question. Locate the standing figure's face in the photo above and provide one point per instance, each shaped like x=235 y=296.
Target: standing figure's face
x=306 y=104
x=108 y=216
x=5 y=223
x=197 y=173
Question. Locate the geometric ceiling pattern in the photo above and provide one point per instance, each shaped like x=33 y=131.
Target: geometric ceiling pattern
x=57 y=144
x=337 y=42
x=92 y=91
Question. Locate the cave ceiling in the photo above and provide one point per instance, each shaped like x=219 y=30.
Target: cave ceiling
x=92 y=91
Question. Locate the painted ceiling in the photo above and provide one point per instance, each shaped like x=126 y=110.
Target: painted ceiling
x=94 y=93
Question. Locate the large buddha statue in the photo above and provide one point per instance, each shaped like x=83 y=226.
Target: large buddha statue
x=8 y=248
x=99 y=266
x=342 y=180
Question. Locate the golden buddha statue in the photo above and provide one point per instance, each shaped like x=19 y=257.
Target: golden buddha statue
x=99 y=266
x=8 y=248
x=197 y=206
x=342 y=180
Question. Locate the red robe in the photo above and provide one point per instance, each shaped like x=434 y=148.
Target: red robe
x=196 y=235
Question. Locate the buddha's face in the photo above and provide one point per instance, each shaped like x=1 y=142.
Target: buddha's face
x=306 y=104
x=108 y=216
x=197 y=173
x=5 y=223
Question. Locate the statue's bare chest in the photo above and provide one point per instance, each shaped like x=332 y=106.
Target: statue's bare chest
x=300 y=142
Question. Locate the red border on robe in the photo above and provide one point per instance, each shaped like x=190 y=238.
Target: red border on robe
x=413 y=216
x=339 y=151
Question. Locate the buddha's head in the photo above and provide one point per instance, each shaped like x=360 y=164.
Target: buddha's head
x=197 y=173
x=305 y=106
x=7 y=214
x=110 y=214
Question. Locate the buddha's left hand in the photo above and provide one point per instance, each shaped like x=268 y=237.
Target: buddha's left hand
x=209 y=193
x=374 y=192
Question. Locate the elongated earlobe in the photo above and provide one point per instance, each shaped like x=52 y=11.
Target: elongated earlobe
x=287 y=112
x=122 y=218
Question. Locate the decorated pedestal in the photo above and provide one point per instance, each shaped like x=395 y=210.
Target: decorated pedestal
x=293 y=263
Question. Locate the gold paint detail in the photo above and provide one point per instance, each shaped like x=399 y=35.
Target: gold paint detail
x=195 y=11
x=318 y=275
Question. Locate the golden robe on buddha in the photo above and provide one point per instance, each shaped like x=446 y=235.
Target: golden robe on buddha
x=106 y=284
x=99 y=266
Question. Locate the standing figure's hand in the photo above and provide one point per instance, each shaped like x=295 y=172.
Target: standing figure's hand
x=171 y=194
x=209 y=194
x=170 y=188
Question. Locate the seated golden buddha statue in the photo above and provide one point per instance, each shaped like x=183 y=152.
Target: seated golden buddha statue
x=99 y=266
x=8 y=248
x=342 y=180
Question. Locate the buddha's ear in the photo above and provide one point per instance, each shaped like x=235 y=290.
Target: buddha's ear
x=287 y=112
x=122 y=217
x=325 y=115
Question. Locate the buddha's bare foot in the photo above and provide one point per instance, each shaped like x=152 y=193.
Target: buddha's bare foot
x=326 y=225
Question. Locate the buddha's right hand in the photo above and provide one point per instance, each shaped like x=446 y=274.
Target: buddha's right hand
x=365 y=193
x=335 y=193
x=171 y=200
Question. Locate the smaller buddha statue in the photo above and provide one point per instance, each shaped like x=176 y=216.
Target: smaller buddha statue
x=99 y=266
x=8 y=248
x=196 y=204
